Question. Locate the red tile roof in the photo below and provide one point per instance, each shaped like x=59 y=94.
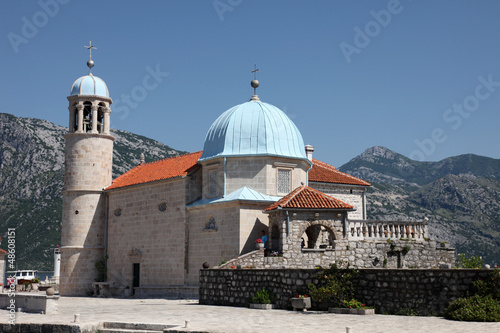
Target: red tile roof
x=159 y=170
x=304 y=197
x=2 y=251
x=325 y=173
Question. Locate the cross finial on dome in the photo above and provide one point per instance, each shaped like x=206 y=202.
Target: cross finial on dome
x=90 y=63
x=255 y=83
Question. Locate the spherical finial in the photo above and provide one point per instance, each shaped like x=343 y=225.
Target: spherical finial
x=254 y=83
x=90 y=63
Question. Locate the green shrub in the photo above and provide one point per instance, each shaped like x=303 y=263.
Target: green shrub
x=263 y=296
x=472 y=262
x=489 y=286
x=334 y=285
x=474 y=308
x=407 y=312
x=354 y=304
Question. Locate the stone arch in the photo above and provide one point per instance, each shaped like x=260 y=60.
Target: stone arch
x=87 y=116
x=101 y=107
x=316 y=231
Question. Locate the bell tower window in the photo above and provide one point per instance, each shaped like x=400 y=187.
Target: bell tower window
x=100 y=118
x=284 y=181
x=87 y=117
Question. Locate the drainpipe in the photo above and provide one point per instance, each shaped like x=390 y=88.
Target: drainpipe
x=287 y=224
x=344 y=223
x=106 y=233
x=364 y=204
x=309 y=154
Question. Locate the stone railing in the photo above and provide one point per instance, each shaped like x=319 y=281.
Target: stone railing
x=373 y=229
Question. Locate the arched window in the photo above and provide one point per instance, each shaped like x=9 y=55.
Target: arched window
x=100 y=118
x=87 y=117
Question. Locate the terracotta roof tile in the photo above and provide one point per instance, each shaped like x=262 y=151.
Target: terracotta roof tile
x=159 y=170
x=326 y=173
x=2 y=251
x=304 y=197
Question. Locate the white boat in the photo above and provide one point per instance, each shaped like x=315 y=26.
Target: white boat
x=20 y=277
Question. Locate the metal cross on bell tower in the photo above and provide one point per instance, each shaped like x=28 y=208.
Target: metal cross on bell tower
x=90 y=63
x=255 y=82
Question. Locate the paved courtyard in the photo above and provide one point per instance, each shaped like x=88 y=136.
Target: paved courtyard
x=203 y=318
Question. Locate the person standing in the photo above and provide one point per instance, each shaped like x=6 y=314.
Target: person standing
x=265 y=239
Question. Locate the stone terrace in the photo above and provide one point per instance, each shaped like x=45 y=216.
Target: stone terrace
x=203 y=318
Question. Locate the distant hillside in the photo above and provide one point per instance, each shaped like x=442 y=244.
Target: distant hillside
x=460 y=195
x=31 y=181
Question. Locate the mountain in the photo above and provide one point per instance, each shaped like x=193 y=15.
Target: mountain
x=460 y=195
x=31 y=181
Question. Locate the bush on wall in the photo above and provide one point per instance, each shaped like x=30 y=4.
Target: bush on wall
x=484 y=305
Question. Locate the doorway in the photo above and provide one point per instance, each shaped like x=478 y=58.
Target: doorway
x=136 y=273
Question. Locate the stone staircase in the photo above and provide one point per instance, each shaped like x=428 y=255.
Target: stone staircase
x=117 y=327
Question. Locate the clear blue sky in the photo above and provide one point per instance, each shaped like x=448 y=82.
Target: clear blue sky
x=419 y=77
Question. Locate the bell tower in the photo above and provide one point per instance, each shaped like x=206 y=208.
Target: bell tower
x=88 y=170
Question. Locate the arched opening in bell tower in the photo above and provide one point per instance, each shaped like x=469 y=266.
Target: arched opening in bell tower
x=100 y=117
x=87 y=117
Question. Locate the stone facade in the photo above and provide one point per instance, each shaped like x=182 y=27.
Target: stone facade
x=146 y=228
x=235 y=227
x=427 y=292
x=88 y=167
x=159 y=223
x=257 y=172
x=353 y=195
x=331 y=237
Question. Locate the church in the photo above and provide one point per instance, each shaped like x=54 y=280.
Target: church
x=155 y=226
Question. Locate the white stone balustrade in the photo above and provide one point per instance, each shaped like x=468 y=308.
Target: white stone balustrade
x=373 y=229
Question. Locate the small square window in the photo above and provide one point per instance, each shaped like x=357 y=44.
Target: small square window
x=284 y=180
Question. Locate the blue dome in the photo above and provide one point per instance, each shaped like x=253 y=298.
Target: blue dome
x=253 y=129
x=89 y=85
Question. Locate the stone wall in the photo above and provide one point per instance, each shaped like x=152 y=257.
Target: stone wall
x=427 y=292
x=146 y=227
x=353 y=195
x=361 y=253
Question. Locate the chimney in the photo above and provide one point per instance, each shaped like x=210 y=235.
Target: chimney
x=143 y=160
x=309 y=152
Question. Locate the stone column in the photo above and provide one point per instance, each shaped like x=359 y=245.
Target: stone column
x=106 y=119
x=79 y=107
x=72 y=119
x=94 y=119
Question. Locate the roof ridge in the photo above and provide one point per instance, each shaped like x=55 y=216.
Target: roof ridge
x=292 y=195
x=311 y=195
x=167 y=168
x=167 y=158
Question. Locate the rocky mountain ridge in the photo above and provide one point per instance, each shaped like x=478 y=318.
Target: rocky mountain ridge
x=460 y=195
